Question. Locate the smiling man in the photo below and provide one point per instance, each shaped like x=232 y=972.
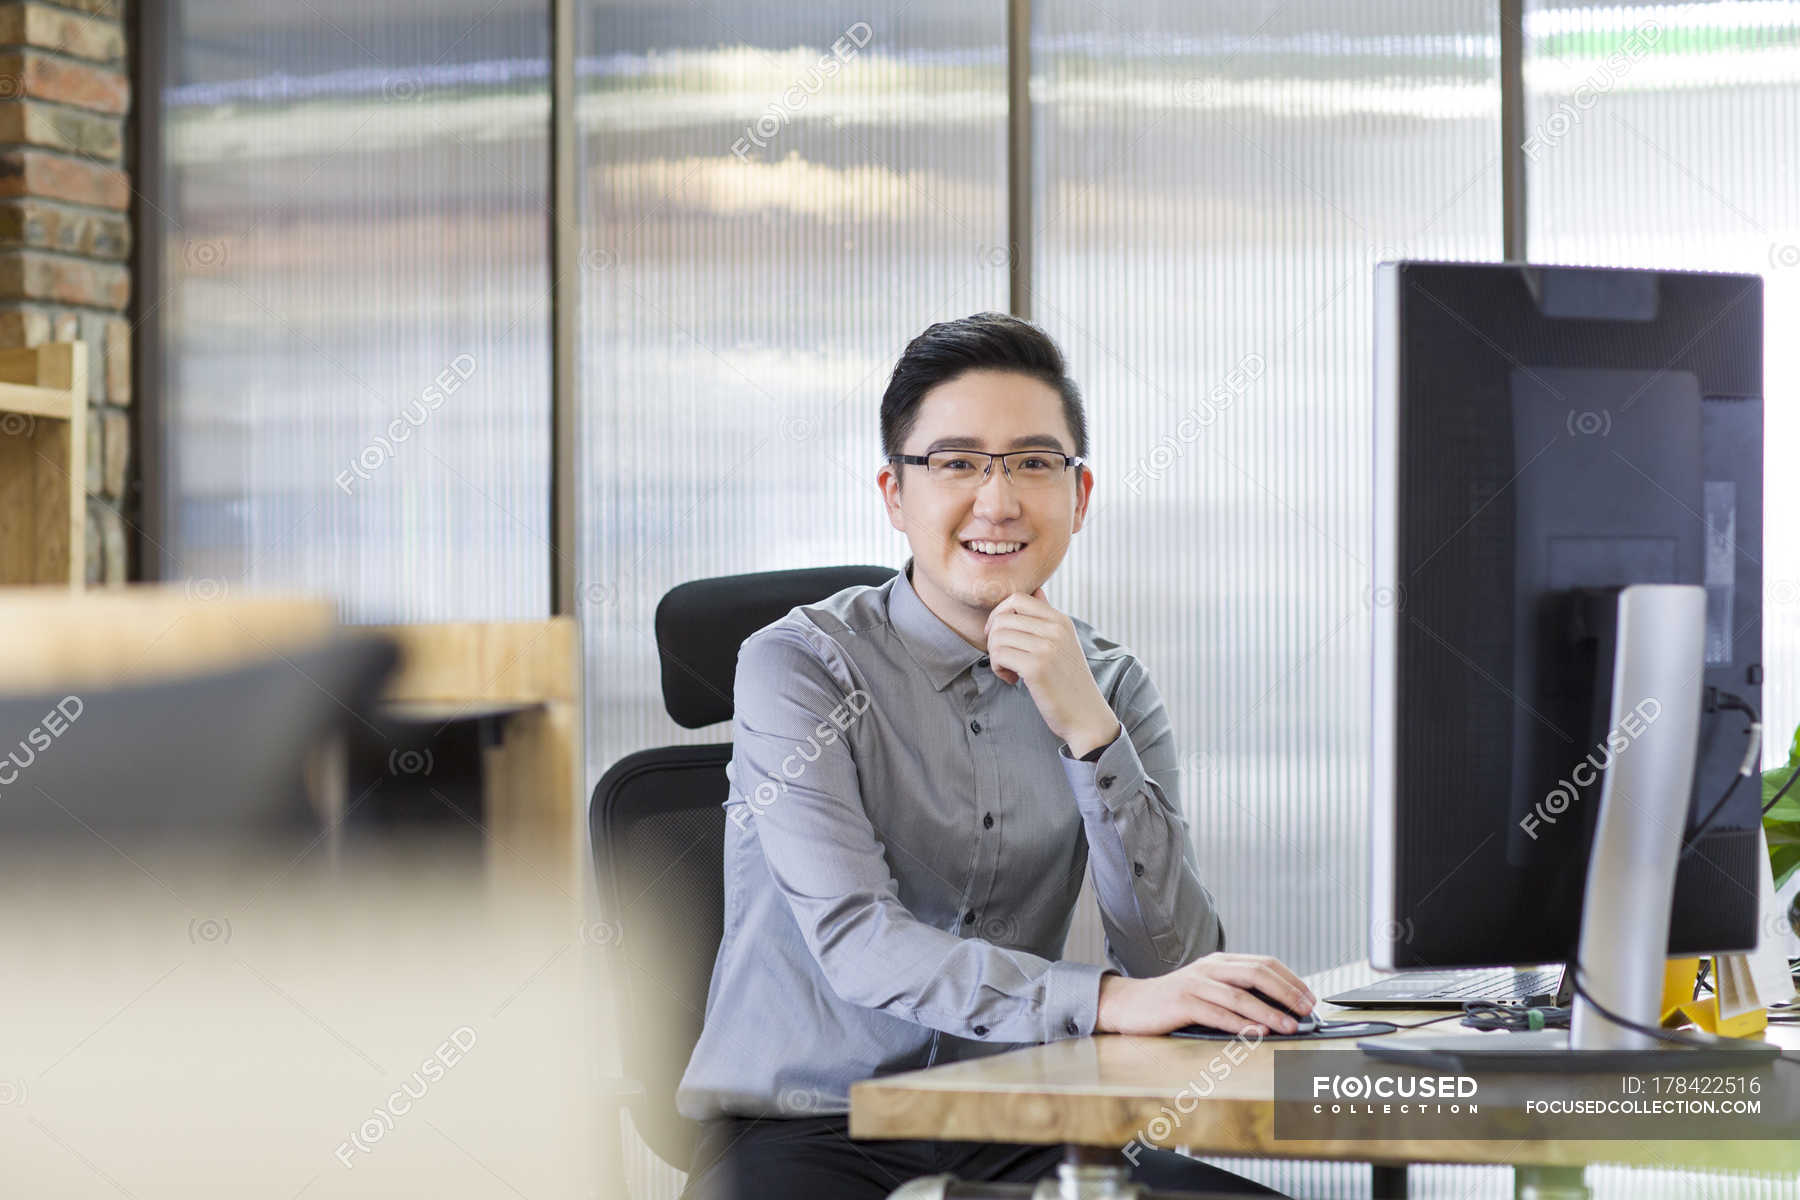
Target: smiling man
x=898 y=893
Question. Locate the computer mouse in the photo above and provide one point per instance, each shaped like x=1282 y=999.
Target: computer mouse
x=1303 y=1025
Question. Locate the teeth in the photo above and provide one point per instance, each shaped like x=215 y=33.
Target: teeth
x=995 y=547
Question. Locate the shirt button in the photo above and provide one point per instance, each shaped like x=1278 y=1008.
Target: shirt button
x=1106 y=781
x=974 y=726
x=1137 y=868
x=1072 y=1028
x=969 y=917
x=987 y=822
x=981 y=1031
x=982 y=661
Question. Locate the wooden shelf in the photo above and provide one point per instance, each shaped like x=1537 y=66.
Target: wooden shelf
x=43 y=464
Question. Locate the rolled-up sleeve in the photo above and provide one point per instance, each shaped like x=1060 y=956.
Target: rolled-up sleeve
x=1156 y=912
x=794 y=781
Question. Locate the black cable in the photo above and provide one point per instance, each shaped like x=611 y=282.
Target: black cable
x=1455 y=1016
x=1703 y=1041
x=1515 y=1018
x=1776 y=798
x=1729 y=702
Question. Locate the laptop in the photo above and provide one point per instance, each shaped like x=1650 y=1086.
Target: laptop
x=1534 y=986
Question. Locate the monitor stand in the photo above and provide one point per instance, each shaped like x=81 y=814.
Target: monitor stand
x=1659 y=655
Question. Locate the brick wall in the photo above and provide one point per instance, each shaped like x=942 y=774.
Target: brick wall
x=65 y=232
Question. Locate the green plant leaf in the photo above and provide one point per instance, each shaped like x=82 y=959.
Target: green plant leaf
x=1781 y=824
x=1789 y=808
x=1785 y=860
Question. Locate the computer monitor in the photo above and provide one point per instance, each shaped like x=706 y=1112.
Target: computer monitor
x=1551 y=442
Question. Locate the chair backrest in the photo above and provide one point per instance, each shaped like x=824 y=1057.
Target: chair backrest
x=215 y=755
x=657 y=823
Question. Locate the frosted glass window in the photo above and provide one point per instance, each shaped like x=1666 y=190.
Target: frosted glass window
x=356 y=327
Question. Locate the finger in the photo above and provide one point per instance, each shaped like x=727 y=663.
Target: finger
x=1248 y=1006
x=1282 y=984
x=1004 y=606
x=1034 y=603
x=1021 y=640
x=1020 y=619
x=1287 y=977
x=1205 y=1012
x=1268 y=976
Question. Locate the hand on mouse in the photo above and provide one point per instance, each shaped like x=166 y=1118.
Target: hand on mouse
x=1214 y=991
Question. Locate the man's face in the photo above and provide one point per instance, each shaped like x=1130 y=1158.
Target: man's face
x=995 y=411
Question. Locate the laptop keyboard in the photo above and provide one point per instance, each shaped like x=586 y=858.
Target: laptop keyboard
x=1499 y=985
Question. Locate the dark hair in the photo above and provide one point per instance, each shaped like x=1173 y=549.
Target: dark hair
x=986 y=341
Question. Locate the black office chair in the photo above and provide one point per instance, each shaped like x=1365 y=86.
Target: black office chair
x=658 y=830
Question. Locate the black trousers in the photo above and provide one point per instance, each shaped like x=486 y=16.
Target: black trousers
x=814 y=1158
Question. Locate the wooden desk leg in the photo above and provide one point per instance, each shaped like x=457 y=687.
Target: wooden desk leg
x=1549 y=1183
x=1387 y=1182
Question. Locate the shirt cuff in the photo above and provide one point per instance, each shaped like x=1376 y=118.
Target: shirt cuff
x=1109 y=781
x=1072 y=1001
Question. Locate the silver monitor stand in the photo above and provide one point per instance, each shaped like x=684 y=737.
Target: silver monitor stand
x=1624 y=939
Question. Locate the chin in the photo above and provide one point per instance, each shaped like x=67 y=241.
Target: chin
x=986 y=587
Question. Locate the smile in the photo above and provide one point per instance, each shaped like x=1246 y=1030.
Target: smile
x=994 y=551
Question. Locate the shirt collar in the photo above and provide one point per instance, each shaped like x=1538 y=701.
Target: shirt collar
x=936 y=647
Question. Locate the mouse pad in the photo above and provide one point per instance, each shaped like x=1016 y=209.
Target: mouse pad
x=1329 y=1029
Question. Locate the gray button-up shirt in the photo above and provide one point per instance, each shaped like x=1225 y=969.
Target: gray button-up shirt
x=905 y=845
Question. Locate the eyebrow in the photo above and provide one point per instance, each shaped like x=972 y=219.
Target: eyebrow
x=1041 y=441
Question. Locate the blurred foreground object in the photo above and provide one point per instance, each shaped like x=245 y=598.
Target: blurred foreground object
x=257 y=1024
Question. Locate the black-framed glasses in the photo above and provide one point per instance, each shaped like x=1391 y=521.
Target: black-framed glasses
x=971 y=468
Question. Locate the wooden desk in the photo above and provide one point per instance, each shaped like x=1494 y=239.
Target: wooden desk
x=1105 y=1091
x=526 y=677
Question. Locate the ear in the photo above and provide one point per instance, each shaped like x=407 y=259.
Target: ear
x=1083 y=490
x=888 y=480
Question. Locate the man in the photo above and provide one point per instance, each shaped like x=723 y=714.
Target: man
x=921 y=774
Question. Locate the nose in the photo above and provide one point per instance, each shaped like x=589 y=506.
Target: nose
x=996 y=500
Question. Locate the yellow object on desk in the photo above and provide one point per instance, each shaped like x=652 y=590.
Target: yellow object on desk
x=1679 y=1006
